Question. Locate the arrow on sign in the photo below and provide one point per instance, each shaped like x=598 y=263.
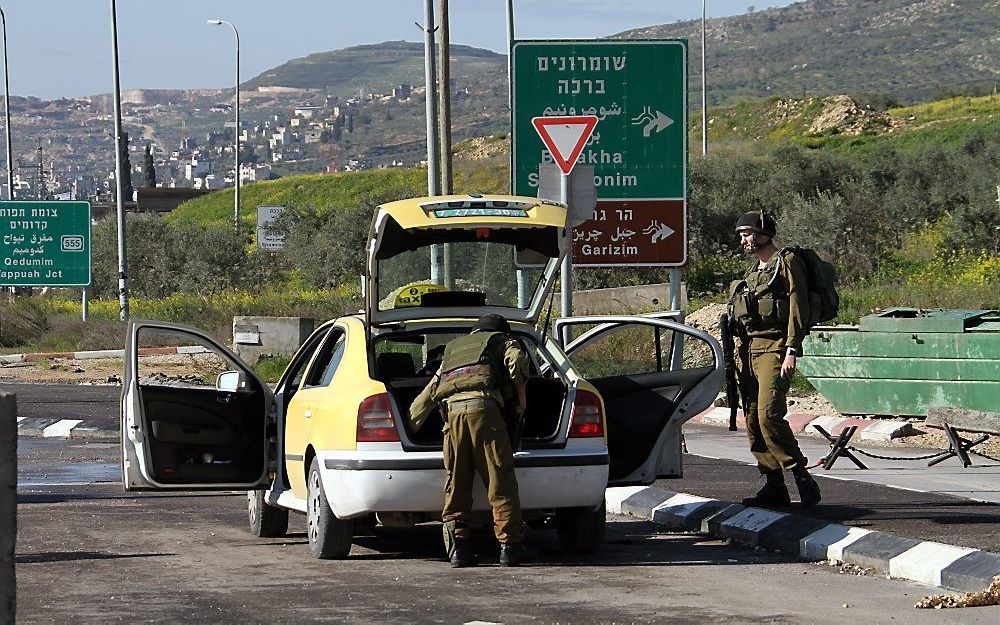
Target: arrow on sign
x=659 y=231
x=565 y=137
x=652 y=123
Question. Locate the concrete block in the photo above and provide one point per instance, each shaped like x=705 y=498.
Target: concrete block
x=33 y=426
x=747 y=524
x=798 y=421
x=876 y=550
x=885 y=430
x=256 y=336
x=677 y=511
x=828 y=542
x=827 y=423
x=61 y=428
x=785 y=534
x=713 y=524
x=972 y=572
x=642 y=503
x=924 y=562
x=614 y=497
x=716 y=416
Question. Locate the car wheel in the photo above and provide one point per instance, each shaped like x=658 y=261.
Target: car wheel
x=581 y=530
x=265 y=521
x=329 y=537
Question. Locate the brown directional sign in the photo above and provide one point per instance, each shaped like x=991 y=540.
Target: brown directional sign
x=632 y=232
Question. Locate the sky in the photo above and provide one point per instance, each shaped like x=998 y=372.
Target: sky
x=63 y=48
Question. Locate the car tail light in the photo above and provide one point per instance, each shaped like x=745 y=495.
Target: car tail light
x=375 y=422
x=587 y=420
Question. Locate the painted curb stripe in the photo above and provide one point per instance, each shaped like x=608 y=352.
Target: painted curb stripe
x=675 y=511
x=645 y=500
x=827 y=543
x=713 y=523
x=876 y=550
x=61 y=428
x=19 y=419
x=827 y=423
x=785 y=535
x=925 y=562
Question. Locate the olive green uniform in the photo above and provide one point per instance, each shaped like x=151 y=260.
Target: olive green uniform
x=772 y=320
x=476 y=440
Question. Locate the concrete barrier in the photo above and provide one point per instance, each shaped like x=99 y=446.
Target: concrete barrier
x=8 y=506
x=255 y=336
x=625 y=300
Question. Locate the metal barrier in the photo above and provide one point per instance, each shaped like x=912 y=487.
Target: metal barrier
x=8 y=506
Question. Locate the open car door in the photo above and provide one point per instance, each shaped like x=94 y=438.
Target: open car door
x=193 y=415
x=654 y=373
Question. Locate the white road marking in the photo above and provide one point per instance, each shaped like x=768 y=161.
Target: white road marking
x=61 y=428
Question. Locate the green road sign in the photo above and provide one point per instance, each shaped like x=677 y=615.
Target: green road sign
x=638 y=91
x=44 y=243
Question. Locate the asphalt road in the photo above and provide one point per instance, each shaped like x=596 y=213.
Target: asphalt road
x=98 y=403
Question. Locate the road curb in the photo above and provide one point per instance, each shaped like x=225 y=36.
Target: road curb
x=77 y=429
x=868 y=429
x=936 y=564
x=13 y=359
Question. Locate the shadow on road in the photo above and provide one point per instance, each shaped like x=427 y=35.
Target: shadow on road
x=69 y=556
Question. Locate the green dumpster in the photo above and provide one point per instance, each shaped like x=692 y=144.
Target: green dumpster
x=903 y=361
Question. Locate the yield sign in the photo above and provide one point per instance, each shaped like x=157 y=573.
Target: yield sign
x=565 y=137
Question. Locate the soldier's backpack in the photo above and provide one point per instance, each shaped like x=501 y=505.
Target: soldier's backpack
x=824 y=302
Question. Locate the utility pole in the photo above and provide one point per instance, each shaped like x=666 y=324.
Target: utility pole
x=447 y=182
x=704 y=79
x=433 y=149
x=6 y=111
x=119 y=176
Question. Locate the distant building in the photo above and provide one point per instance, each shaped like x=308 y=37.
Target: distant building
x=312 y=136
x=402 y=91
x=305 y=112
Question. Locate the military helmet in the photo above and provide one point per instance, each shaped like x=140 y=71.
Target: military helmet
x=492 y=323
x=758 y=223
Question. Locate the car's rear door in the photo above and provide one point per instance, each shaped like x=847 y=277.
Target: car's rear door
x=654 y=373
x=182 y=426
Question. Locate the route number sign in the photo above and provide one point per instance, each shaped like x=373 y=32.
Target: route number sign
x=45 y=244
x=637 y=89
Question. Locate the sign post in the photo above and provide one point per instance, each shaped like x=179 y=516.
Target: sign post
x=564 y=139
x=638 y=91
x=45 y=244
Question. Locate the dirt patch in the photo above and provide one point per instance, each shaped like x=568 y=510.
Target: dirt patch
x=842 y=114
x=182 y=367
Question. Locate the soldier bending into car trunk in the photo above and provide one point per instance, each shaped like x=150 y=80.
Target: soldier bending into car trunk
x=481 y=377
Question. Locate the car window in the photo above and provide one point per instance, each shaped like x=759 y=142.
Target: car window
x=297 y=368
x=629 y=349
x=178 y=359
x=327 y=359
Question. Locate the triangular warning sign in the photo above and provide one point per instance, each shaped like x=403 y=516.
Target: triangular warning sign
x=565 y=137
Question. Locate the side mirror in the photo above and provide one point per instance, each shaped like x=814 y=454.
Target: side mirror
x=230 y=381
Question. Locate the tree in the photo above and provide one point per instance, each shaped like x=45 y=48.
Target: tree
x=127 y=190
x=148 y=169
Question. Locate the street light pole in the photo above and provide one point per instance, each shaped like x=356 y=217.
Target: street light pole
x=236 y=195
x=6 y=111
x=704 y=80
x=119 y=175
x=433 y=146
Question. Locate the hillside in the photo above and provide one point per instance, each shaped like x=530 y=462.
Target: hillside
x=908 y=48
x=378 y=67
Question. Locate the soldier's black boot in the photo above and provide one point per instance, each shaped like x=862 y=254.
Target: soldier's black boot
x=774 y=493
x=514 y=554
x=462 y=555
x=809 y=493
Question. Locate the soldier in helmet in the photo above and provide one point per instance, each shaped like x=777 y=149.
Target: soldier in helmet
x=482 y=375
x=770 y=310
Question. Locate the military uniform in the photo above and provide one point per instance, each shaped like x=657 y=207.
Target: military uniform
x=772 y=313
x=478 y=378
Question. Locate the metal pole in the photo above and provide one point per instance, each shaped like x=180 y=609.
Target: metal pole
x=119 y=176
x=8 y=507
x=566 y=277
x=83 y=305
x=704 y=80
x=433 y=149
x=6 y=112
x=447 y=183
x=236 y=190
x=522 y=277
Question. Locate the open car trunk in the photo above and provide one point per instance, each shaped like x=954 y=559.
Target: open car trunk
x=545 y=407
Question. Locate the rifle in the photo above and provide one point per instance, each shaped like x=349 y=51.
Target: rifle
x=729 y=354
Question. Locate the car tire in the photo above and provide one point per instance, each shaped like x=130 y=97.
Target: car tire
x=329 y=537
x=265 y=521
x=581 y=530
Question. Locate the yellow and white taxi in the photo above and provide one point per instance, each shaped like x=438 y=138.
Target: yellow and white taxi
x=332 y=440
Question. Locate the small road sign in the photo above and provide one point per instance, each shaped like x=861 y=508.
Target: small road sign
x=45 y=243
x=266 y=239
x=565 y=137
x=638 y=91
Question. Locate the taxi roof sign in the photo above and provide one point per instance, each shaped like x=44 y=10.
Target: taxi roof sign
x=565 y=137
